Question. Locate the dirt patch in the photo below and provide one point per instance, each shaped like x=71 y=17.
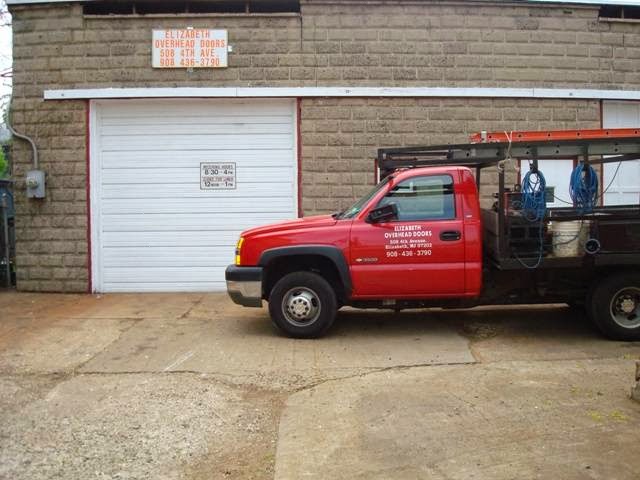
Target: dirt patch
x=476 y=331
x=252 y=454
x=179 y=426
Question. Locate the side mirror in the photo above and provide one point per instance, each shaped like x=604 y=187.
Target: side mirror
x=382 y=214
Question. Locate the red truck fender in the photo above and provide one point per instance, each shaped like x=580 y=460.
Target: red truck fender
x=331 y=253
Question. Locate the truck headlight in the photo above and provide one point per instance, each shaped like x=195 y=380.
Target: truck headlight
x=239 y=251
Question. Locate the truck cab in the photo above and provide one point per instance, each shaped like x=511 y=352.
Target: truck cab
x=415 y=236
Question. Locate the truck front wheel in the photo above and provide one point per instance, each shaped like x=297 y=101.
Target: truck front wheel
x=303 y=305
x=615 y=306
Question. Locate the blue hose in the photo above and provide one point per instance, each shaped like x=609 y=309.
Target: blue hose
x=583 y=188
x=533 y=196
x=534 y=209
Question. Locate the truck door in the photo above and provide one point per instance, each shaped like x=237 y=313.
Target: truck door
x=421 y=253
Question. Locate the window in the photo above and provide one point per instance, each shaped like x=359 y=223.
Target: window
x=358 y=206
x=149 y=7
x=423 y=198
x=619 y=12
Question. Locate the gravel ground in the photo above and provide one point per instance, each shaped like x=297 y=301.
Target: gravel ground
x=172 y=425
x=190 y=386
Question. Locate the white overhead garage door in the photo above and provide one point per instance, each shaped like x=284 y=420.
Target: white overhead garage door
x=621 y=180
x=156 y=224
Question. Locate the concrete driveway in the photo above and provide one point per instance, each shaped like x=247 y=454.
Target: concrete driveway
x=192 y=386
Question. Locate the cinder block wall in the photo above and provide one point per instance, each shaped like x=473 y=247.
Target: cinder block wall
x=504 y=45
x=340 y=136
x=329 y=44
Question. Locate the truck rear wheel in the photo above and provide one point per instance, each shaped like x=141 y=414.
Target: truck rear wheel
x=303 y=305
x=615 y=306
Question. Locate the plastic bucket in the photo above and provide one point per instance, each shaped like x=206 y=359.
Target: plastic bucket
x=569 y=238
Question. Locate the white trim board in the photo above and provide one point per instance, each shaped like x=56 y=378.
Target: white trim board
x=94 y=197
x=302 y=92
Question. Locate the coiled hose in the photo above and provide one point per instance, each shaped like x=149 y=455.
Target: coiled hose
x=534 y=204
x=583 y=188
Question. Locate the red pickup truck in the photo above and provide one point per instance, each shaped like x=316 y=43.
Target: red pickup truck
x=420 y=239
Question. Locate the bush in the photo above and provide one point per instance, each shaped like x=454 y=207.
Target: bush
x=3 y=165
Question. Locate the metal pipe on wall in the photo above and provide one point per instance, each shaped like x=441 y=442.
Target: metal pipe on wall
x=5 y=227
x=33 y=145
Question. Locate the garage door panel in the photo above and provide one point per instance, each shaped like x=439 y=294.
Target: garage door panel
x=197 y=129
x=168 y=286
x=161 y=238
x=184 y=108
x=213 y=255
x=170 y=222
x=153 y=120
x=622 y=198
x=240 y=205
x=621 y=181
x=167 y=192
x=195 y=142
x=191 y=175
x=156 y=230
x=153 y=159
x=163 y=274
x=170 y=256
x=557 y=173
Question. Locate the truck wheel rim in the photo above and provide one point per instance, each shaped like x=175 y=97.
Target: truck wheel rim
x=301 y=306
x=625 y=307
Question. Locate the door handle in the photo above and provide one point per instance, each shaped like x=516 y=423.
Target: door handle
x=450 y=235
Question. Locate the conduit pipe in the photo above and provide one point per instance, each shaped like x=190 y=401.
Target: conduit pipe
x=33 y=145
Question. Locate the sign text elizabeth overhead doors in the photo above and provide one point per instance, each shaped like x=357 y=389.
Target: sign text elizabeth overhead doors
x=189 y=48
x=174 y=182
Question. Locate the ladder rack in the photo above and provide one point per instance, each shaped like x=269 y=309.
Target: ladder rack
x=617 y=144
x=551 y=135
x=490 y=149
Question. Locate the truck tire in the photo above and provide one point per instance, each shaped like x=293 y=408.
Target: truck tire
x=303 y=305
x=615 y=306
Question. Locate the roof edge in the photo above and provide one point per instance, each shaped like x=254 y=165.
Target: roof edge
x=557 y=2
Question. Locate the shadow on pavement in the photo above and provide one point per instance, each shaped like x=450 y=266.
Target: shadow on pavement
x=477 y=324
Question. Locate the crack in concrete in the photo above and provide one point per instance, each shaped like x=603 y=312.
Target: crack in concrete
x=284 y=386
x=374 y=370
x=190 y=309
x=369 y=370
x=134 y=321
x=66 y=375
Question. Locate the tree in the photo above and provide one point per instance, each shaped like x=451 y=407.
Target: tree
x=6 y=70
x=6 y=73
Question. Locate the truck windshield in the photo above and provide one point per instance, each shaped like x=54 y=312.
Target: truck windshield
x=356 y=207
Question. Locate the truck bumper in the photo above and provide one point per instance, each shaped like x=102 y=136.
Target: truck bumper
x=244 y=285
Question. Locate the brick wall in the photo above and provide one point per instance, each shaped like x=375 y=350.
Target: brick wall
x=393 y=44
x=340 y=136
x=51 y=234
x=388 y=44
x=504 y=46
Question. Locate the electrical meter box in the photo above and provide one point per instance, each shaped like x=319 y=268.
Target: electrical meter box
x=35 y=183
